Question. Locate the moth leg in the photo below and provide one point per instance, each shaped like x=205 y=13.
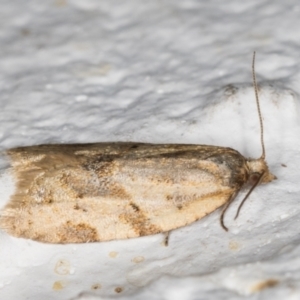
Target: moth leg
x=230 y=200
x=166 y=239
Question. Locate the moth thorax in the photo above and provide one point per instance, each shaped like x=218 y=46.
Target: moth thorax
x=258 y=167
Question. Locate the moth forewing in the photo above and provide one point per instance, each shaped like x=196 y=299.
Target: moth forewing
x=100 y=192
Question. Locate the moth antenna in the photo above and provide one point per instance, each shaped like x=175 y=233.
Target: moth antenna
x=263 y=155
x=249 y=193
x=225 y=209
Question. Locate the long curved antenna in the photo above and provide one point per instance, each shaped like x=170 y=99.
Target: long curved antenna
x=230 y=200
x=263 y=155
x=248 y=194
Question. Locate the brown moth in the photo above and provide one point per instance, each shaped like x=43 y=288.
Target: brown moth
x=106 y=191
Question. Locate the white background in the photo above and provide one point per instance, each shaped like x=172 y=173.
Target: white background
x=158 y=72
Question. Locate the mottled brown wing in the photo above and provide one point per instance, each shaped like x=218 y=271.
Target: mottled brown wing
x=106 y=191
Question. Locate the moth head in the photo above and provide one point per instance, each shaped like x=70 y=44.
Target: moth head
x=259 y=171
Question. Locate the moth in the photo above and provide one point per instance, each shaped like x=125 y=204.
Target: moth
x=80 y=193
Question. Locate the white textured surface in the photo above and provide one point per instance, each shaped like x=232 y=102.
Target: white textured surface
x=155 y=71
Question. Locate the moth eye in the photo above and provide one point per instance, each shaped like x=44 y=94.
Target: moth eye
x=254 y=177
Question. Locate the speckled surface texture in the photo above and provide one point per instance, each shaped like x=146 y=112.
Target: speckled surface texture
x=158 y=72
